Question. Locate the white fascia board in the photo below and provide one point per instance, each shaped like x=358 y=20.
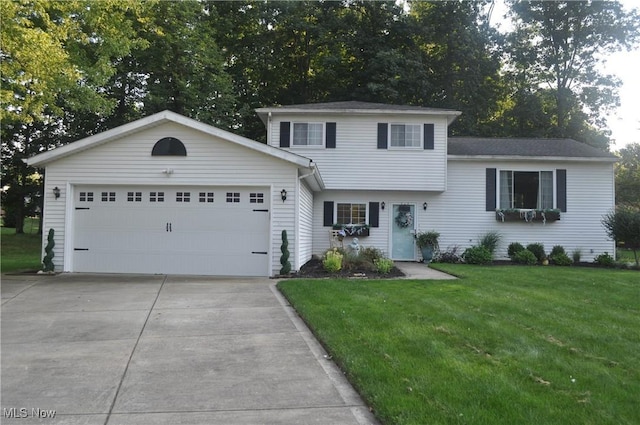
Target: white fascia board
x=155 y=120
x=263 y=112
x=312 y=176
x=528 y=158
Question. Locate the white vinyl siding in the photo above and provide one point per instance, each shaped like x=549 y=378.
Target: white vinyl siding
x=305 y=225
x=356 y=163
x=210 y=162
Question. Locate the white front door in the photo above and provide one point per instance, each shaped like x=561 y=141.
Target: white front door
x=178 y=230
x=403 y=232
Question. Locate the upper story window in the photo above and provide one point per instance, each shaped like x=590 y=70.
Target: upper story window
x=169 y=146
x=308 y=134
x=526 y=189
x=351 y=213
x=405 y=135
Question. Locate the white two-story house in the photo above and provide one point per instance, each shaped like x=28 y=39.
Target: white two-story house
x=167 y=194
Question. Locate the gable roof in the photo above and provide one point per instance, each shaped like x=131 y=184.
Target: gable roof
x=354 y=107
x=484 y=147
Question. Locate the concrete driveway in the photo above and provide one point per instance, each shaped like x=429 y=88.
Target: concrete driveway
x=128 y=349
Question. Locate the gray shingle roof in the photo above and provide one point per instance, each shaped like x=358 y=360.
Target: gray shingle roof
x=357 y=105
x=485 y=146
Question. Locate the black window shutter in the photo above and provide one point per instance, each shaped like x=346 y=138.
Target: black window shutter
x=429 y=136
x=328 y=213
x=561 y=189
x=374 y=214
x=491 y=189
x=285 y=134
x=330 y=136
x=382 y=135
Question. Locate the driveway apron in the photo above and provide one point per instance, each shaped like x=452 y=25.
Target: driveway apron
x=154 y=349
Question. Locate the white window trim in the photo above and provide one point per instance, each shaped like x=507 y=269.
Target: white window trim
x=366 y=215
x=420 y=140
x=307 y=146
x=527 y=170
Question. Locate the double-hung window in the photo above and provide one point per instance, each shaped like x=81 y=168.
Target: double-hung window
x=354 y=214
x=308 y=134
x=526 y=189
x=405 y=135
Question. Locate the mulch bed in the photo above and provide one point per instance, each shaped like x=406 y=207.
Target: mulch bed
x=314 y=269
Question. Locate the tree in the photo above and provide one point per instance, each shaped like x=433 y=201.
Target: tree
x=623 y=225
x=628 y=176
x=559 y=45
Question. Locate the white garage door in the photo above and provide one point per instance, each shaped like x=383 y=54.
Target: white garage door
x=171 y=230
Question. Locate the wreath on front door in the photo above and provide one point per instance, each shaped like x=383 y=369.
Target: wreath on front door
x=404 y=218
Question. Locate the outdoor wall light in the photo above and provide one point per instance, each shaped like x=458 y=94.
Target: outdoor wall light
x=283 y=195
x=424 y=206
x=56 y=192
x=382 y=205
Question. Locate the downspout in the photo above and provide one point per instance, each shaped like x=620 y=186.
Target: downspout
x=313 y=171
x=269 y=128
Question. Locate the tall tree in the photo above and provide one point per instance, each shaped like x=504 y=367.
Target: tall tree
x=557 y=46
x=628 y=176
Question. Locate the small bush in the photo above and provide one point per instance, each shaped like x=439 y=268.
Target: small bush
x=605 y=260
x=538 y=250
x=450 y=255
x=556 y=250
x=561 y=259
x=490 y=240
x=576 y=254
x=333 y=261
x=383 y=265
x=514 y=248
x=477 y=255
x=525 y=257
x=371 y=254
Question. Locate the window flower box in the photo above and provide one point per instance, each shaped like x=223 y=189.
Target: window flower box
x=357 y=230
x=528 y=216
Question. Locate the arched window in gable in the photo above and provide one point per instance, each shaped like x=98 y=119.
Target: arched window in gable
x=169 y=146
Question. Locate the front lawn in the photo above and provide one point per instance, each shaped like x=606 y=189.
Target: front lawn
x=20 y=252
x=502 y=345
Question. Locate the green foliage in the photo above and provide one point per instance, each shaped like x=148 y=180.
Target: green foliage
x=332 y=261
x=514 y=248
x=538 y=250
x=490 y=240
x=430 y=238
x=47 y=261
x=623 y=225
x=371 y=254
x=477 y=255
x=605 y=260
x=525 y=257
x=556 y=250
x=561 y=259
x=284 y=258
x=576 y=255
x=383 y=265
x=450 y=255
x=628 y=176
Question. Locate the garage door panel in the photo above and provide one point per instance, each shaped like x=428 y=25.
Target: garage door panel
x=172 y=236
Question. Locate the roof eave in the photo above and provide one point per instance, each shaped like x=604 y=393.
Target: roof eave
x=530 y=158
x=264 y=112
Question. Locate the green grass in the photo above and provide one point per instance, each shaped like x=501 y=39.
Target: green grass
x=501 y=345
x=20 y=252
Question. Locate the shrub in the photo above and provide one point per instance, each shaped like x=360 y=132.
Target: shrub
x=371 y=254
x=284 y=258
x=556 y=250
x=623 y=225
x=605 y=260
x=490 y=240
x=525 y=257
x=538 y=250
x=333 y=261
x=576 y=255
x=383 y=265
x=514 y=248
x=477 y=255
x=450 y=255
x=561 y=259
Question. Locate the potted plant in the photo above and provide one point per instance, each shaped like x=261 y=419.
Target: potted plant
x=428 y=243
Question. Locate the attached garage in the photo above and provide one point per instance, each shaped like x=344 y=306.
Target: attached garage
x=171 y=230
x=170 y=195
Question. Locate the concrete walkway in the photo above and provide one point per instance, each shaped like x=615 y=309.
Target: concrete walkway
x=414 y=270
x=118 y=349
